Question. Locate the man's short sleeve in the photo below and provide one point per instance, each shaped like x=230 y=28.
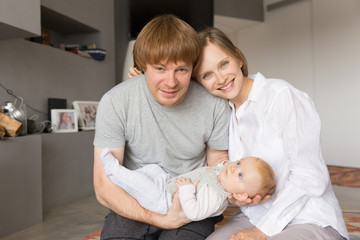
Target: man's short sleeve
x=110 y=130
x=219 y=138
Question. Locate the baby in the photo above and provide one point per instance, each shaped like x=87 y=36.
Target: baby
x=203 y=192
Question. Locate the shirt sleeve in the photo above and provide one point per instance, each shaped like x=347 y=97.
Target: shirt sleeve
x=219 y=138
x=294 y=117
x=199 y=203
x=110 y=123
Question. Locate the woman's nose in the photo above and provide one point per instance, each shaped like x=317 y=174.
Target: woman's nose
x=222 y=78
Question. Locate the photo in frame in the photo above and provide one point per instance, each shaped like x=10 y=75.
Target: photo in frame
x=64 y=120
x=86 y=111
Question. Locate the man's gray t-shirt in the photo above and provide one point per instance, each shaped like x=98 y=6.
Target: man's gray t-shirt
x=174 y=138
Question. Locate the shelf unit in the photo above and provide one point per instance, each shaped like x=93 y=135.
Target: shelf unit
x=41 y=172
x=19 y=19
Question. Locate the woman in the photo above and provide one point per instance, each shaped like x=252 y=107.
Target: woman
x=275 y=121
x=278 y=123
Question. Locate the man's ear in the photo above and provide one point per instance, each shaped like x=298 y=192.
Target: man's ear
x=240 y=196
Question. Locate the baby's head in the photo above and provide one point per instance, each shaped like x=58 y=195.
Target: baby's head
x=250 y=176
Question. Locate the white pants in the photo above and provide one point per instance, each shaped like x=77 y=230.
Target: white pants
x=293 y=232
x=146 y=184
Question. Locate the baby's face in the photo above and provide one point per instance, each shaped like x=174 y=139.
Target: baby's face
x=241 y=177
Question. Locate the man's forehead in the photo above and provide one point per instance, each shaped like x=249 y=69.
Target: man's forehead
x=171 y=63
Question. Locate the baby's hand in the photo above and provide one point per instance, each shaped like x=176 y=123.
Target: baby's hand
x=184 y=181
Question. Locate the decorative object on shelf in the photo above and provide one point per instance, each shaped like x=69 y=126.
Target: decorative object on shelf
x=64 y=120
x=86 y=111
x=17 y=112
x=20 y=113
x=97 y=53
x=56 y=103
x=11 y=125
x=2 y=132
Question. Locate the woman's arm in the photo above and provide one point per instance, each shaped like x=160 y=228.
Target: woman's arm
x=294 y=118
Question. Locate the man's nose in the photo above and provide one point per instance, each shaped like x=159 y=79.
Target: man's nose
x=171 y=81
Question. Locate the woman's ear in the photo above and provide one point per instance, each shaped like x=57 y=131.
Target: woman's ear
x=240 y=54
x=240 y=196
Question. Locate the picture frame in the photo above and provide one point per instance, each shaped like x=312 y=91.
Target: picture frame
x=64 y=120
x=86 y=111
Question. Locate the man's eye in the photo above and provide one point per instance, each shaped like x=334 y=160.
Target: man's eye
x=159 y=69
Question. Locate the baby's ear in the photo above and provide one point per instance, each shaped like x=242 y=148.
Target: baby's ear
x=240 y=196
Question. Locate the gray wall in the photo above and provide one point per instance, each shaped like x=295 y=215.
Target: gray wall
x=306 y=45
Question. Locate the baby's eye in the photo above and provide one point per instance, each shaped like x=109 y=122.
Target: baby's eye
x=240 y=175
x=238 y=164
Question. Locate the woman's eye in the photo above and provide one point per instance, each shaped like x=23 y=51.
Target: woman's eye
x=224 y=64
x=206 y=76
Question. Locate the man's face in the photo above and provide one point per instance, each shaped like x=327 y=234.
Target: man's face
x=168 y=82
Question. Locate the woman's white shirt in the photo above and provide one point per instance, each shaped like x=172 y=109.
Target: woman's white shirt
x=279 y=124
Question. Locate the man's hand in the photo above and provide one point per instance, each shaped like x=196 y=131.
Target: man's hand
x=175 y=217
x=239 y=200
x=249 y=234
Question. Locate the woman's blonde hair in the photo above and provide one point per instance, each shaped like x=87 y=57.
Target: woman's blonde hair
x=166 y=38
x=219 y=38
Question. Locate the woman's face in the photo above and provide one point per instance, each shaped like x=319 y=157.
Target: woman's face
x=220 y=73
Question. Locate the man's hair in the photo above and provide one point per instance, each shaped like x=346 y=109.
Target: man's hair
x=268 y=180
x=166 y=38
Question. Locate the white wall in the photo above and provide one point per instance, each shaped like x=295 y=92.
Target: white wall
x=315 y=45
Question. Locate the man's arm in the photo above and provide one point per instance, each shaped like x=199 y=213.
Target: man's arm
x=213 y=156
x=116 y=199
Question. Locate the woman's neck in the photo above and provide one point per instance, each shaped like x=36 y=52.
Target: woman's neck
x=244 y=92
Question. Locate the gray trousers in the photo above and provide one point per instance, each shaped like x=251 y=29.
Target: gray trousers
x=117 y=227
x=293 y=232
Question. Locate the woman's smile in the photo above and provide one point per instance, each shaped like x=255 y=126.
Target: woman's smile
x=228 y=86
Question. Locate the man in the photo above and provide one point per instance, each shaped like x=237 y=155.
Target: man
x=160 y=117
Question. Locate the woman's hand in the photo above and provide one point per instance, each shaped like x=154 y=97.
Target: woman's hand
x=249 y=234
x=242 y=200
x=133 y=71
